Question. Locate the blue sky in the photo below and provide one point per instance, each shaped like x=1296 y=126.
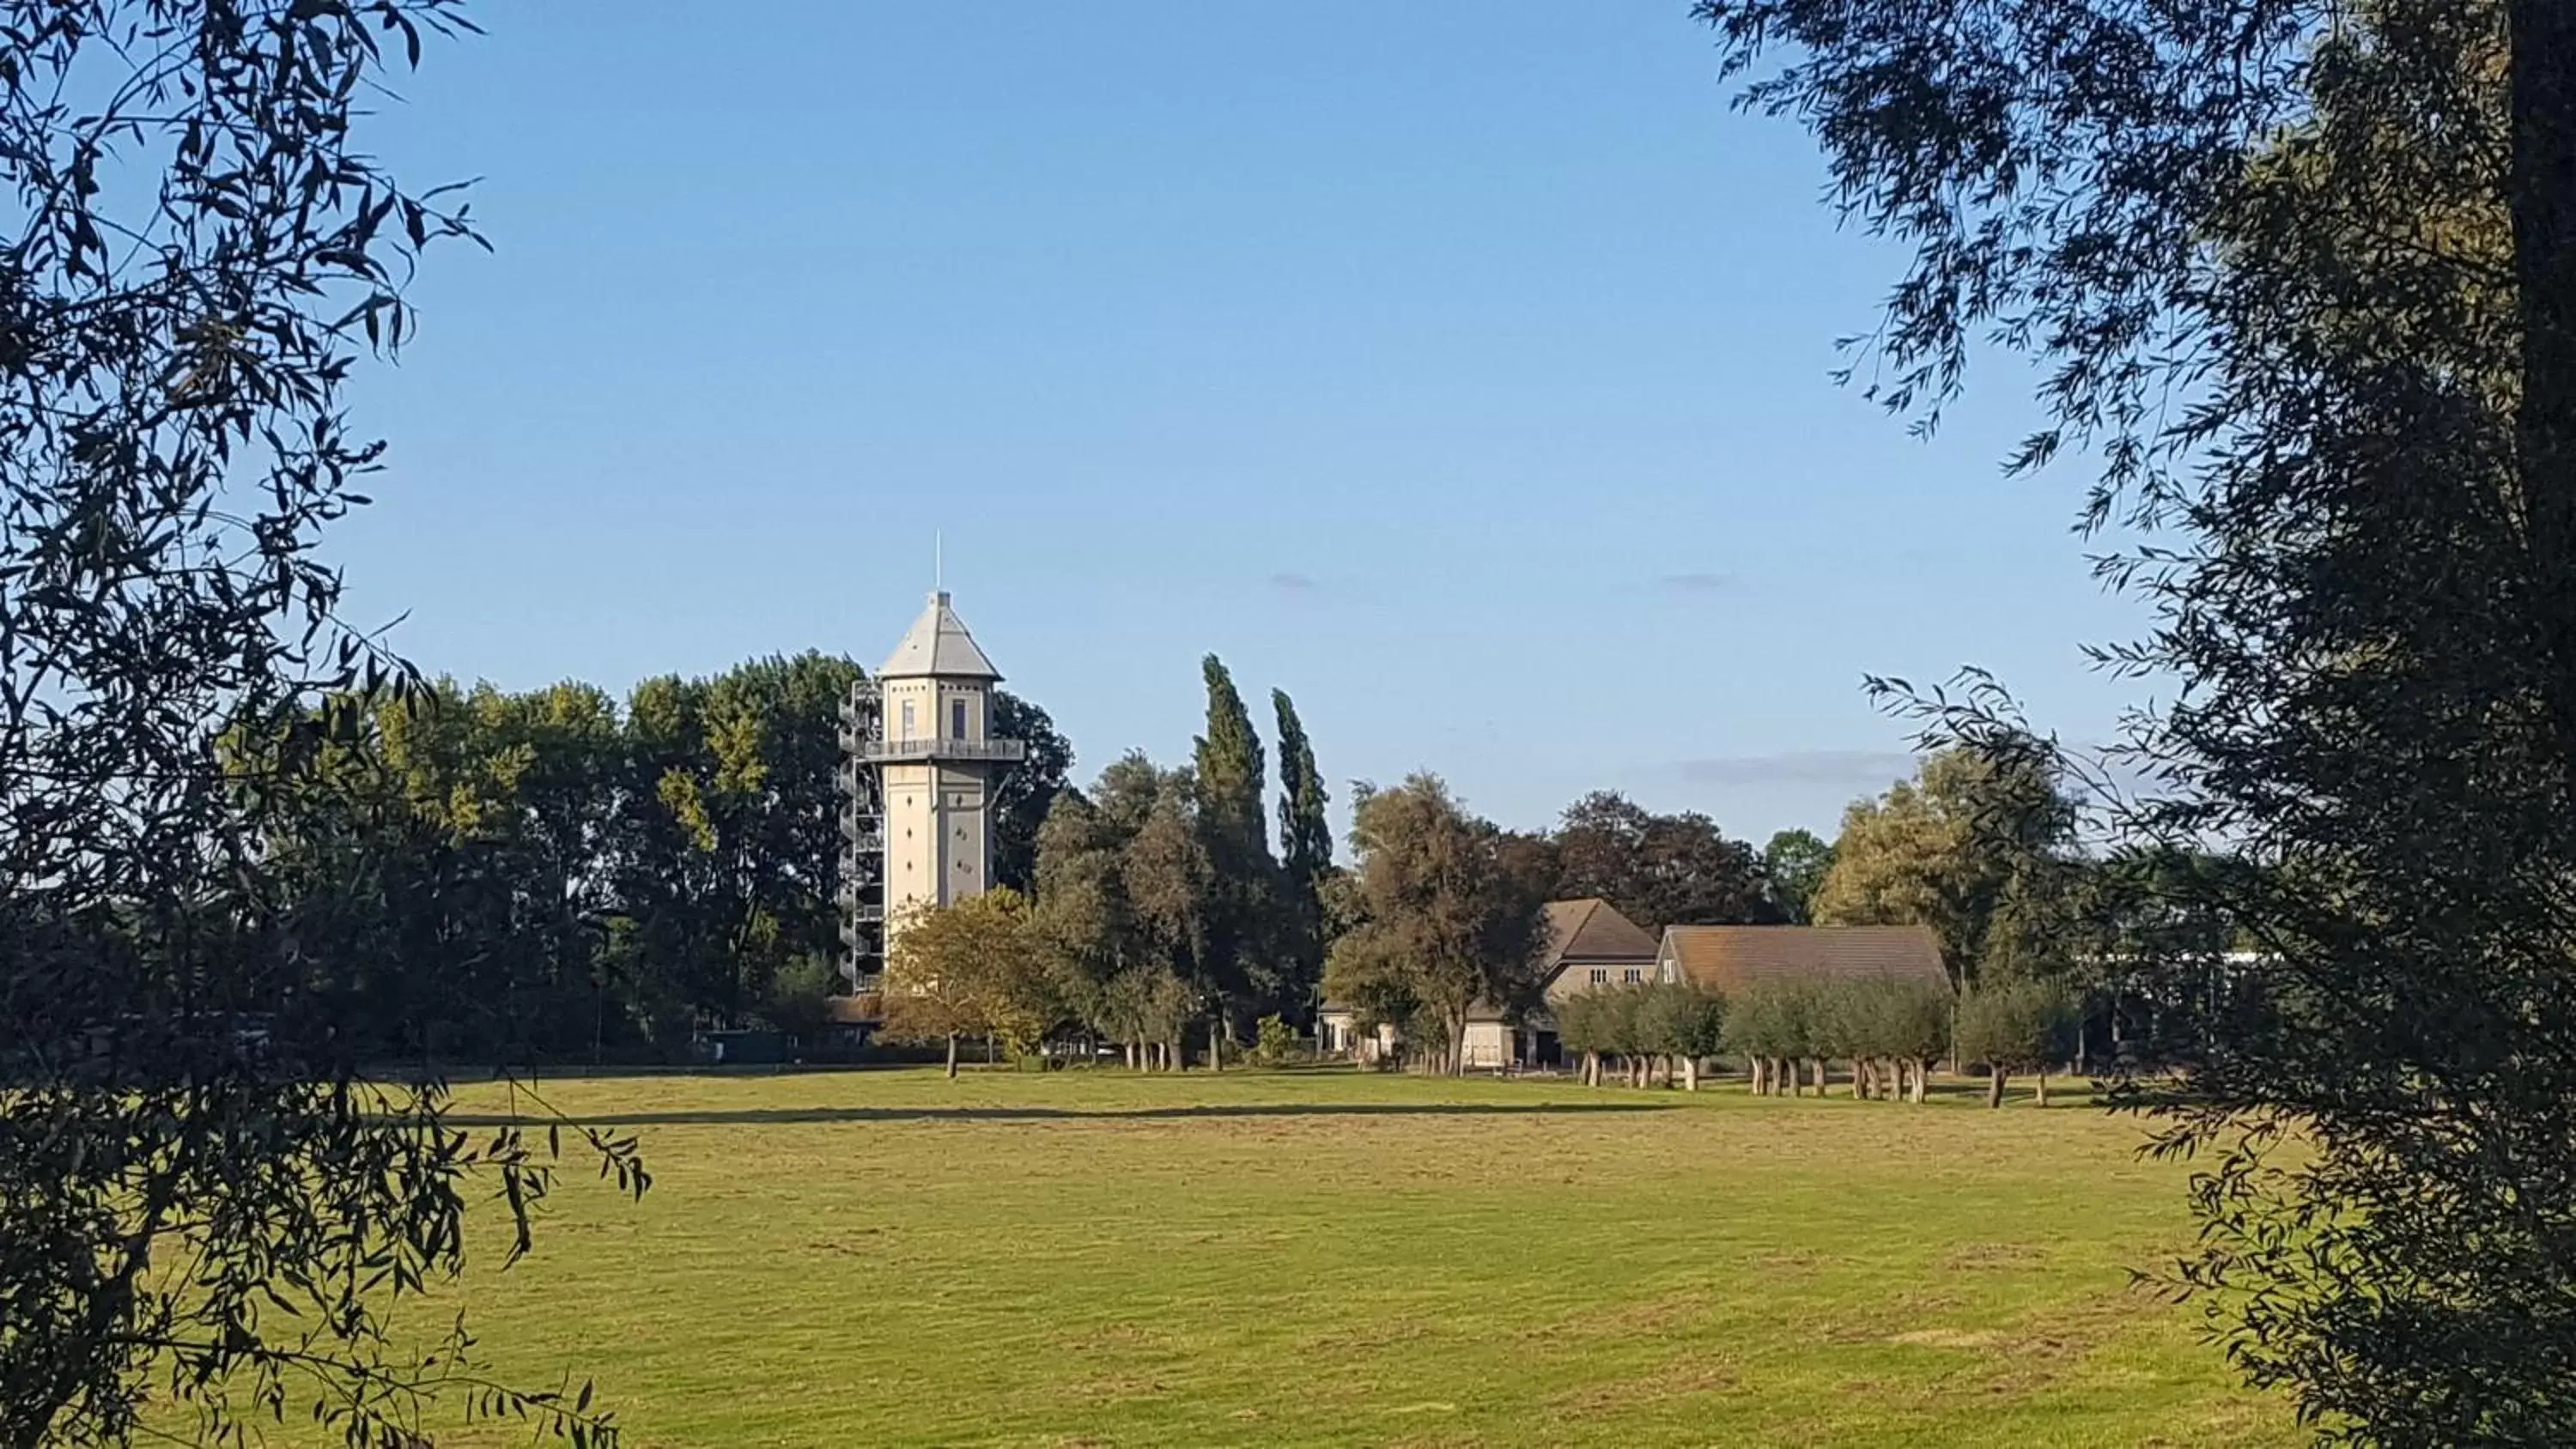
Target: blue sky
x=1460 y=367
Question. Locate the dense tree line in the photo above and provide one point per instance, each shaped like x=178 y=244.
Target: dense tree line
x=559 y=875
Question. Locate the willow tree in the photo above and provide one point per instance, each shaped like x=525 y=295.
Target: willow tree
x=201 y=1200
x=2302 y=274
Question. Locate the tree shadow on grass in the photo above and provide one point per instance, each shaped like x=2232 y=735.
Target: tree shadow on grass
x=770 y=1116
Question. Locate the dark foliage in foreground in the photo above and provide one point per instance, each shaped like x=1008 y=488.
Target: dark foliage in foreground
x=2305 y=275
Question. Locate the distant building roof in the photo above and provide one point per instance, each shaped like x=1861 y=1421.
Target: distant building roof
x=937 y=644
x=1727 y=959
x=1592 y=930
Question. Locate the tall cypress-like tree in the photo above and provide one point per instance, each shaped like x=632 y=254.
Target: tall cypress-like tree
x=1305 y=844
x=1230 y=764
x=1243 y=886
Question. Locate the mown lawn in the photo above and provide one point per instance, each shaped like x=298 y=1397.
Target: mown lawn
x=888 y=1258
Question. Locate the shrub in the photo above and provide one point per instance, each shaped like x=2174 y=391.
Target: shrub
x=1275 y=1042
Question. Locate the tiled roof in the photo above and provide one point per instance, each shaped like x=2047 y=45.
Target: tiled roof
x=1728 y=959
x=1593 y=930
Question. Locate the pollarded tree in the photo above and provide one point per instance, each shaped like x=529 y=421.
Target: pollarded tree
x=1629 y=1034
x=1773 y=1025
x=1682 y=1021
x=2015 y=1026
x=1579 y=1030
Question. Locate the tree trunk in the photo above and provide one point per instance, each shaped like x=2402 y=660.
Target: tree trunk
x=1816 y=1070
x=952 y=1056
x=1860 y=1070
x=2043 y=1086
x=1690 y=1074
x=1922 y=1080
x=1995 y=1086
x=1753 y=1069
x=1216 y=1042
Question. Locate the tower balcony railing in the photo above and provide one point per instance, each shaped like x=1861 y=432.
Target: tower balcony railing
x=878 y=752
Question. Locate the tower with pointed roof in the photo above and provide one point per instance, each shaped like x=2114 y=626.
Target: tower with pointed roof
x=921 y=767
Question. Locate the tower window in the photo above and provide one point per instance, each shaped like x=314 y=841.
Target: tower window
x=907 y=719
x=957 y=719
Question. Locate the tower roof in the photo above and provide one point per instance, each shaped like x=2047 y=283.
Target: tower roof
x=938 y=645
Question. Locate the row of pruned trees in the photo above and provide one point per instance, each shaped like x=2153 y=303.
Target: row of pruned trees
x=1888 y=1032
x=1659 y=1024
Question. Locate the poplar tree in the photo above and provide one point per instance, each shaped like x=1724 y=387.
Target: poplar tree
x=1238 y=917
x=1305 y=844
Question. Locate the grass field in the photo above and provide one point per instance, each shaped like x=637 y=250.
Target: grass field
x=1328 y=1258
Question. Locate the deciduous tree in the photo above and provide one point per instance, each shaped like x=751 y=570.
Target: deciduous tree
x=1449 y=924
x=1658 y=870
x=1793 y=867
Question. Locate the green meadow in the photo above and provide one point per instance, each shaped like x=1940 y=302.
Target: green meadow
x=1331 y=1258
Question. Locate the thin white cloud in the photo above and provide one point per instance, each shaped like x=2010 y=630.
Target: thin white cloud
x=1294 y=583
x=1696 y=583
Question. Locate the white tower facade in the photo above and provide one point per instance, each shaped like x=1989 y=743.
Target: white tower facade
x=935 y=762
